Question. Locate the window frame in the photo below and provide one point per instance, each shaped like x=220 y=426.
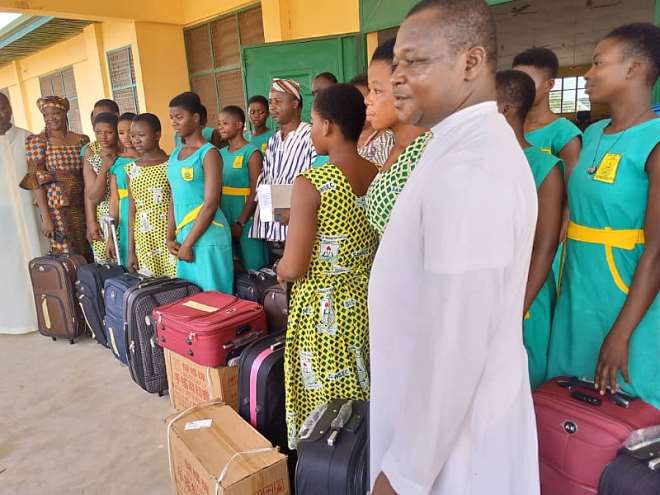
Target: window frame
x=576 y=88
x=214 y=71
x=131 y=73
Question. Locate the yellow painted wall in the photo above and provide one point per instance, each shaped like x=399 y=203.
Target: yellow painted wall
x=161 y=71
x=198 y=11
x=309 y=19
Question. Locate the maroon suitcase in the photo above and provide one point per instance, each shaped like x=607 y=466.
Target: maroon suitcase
x=209 y=327
x=578 y=436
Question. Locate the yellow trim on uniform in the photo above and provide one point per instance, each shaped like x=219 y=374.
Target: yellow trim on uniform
x=236 y=191
x=609 y=238
x=123 y=193
x=622 y=239
x=191 y=216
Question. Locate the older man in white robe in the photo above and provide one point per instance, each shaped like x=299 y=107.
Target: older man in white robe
x=18 y=224
x=451 y=408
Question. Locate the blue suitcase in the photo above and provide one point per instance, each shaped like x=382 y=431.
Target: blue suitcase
x=114 y=297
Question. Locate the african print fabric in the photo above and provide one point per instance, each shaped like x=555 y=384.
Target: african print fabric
x=387 y=185
x=327 y=348
x=150 y=190
x=58 y=168
x=96 y=161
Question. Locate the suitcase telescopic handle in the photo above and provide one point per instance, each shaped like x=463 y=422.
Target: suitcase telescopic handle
x=619 y=397
x=242 y=341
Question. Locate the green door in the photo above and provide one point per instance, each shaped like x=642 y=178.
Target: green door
x=344 y=56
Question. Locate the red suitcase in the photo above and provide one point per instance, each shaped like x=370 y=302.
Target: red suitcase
x=578 y=438
x=208 y=327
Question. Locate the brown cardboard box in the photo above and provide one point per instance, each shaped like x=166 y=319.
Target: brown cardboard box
x=191 y=384
x=204 y=443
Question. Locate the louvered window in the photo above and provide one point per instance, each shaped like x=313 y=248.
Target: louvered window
x=62 y=83
x=122 y=79
x=214 y=58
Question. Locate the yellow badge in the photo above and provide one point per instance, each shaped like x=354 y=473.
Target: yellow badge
x=264 y=147
x=187 y=173
x=608 y=168
x=238 y=162
x=547 y=150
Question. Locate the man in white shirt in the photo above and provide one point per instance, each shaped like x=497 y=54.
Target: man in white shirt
x=451 y=408
x=18 y=223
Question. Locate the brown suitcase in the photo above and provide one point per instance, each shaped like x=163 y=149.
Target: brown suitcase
x=53 y=284
x=276 y=306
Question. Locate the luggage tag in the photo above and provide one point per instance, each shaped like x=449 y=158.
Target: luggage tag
x=309 y=425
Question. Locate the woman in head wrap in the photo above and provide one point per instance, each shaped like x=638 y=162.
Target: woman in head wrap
x=55 y=175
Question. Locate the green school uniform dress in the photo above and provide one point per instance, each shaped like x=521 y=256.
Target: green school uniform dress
x=212 y=267
x=538 y=321
x=235 y=190
x=260 y=141
x=607 y=199
x=552 y=139
x=119 y=171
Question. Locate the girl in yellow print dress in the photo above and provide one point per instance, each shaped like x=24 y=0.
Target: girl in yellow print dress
x=328 y=256
x=149 y=199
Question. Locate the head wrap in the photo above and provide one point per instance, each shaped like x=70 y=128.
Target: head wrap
x=53 y=101
x=288 y=86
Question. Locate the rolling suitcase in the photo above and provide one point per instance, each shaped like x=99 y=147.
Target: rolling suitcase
x=209 y=327
x=146 y=360
x=53 y=283
x=580 y=432
x=627 y=475
x=261 y=393
x=276 y=306
x=89 y=290
x=252 y=286
x=333 y=450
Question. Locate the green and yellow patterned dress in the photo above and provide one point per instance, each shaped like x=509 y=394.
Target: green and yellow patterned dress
x=327 y=342
x=96 y=161
x=387 y=185
x=151 y=192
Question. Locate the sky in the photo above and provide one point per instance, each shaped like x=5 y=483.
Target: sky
x=6 y=18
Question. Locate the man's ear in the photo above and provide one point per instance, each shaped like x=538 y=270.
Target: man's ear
x=635 y=69
x=475 y=61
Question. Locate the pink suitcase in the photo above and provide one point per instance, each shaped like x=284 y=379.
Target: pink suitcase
x=209 y=327
x=578 y=436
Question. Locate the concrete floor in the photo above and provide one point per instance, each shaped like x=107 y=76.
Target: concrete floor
x=73 y=422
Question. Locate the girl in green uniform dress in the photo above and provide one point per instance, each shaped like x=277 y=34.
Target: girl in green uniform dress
x=198 y=233
x=119 y=187
x=258 y=113
x=328 y=255
x=148 y=201
x=515 y=96
x=607 y=318
x=241 y=168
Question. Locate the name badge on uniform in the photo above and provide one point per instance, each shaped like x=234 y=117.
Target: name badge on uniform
x=238 y=162
x=608 y=168
x=187 y=173
x=264 y=147
x=547 y=150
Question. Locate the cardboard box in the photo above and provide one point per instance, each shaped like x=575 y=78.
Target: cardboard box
x=191 y=384
x=204 y=446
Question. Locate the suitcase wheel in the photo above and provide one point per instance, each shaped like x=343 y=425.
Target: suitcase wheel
x=161 y=393
x=72 y=341
x=54 y=338
x=190 y=352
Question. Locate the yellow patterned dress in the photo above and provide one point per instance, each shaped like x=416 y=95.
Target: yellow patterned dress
x=102 y=209
x=327 y=348
x=150 y=190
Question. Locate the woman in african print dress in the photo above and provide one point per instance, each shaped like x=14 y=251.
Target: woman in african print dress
x=328 y=256
x=55 y=175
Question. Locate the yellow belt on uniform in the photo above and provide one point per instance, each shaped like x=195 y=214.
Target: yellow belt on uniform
x=123 y=193
x=191 y=216
x=609 y=238
x=236 y=191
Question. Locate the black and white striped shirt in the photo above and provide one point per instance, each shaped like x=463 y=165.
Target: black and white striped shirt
x=284 y=160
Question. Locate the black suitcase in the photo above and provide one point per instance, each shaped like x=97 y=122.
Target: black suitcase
x=252 y=285
x=146 y=360
x=333 y=450
x=89 y=290
x=261 y=392
x=627 y=475
x=276 y=306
